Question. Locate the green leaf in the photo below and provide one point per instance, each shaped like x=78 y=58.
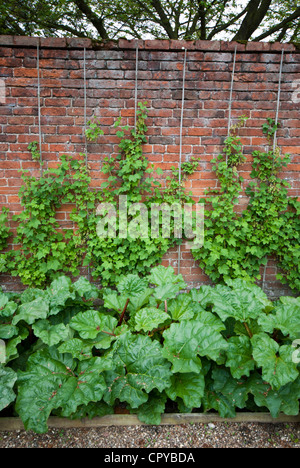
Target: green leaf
x=285 y=317
x=151 y=411
x=79 y=349
x=276 y=361
x=149 y=318
x=182 y=308
x=52 y=381
x=85 y=289
x=32 y=311
x=140 y=369
x=114 y=301
x=285 y=400
x=224 y=393
x=59 y=292
x=131 y=286
x=239 y=356
x=241 y=304
x=162 y=276
x=90 y=323
x=51 y=334
x=188 y=387
x=181 y=348
x=8 y=378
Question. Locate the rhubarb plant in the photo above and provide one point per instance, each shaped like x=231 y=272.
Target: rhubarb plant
x=73 y=350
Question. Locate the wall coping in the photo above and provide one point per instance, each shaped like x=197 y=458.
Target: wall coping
x=155 y=44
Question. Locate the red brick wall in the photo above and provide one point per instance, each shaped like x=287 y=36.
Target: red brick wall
x=110 y=73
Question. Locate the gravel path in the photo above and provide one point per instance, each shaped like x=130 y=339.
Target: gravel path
x=217 y=435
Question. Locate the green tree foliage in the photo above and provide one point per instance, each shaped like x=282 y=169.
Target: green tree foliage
x=179 y=19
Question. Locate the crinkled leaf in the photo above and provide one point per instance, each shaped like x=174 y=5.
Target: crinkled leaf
x=151 y=411
x=7 y=307
x=79 y=349
x=59 y=292
x=276 y=361
x=186 y=340
x=182 y=308
x=90 y=323
x=51 y=334
x=285 y=317
x=8 y=378
x=285 y=400
x=132 y=286
x=239 y=356
x=114 y=301
x=223 y=393
x=162 y=276
x=188 y=387
x=149 y=318
x=241 y=304
x=181 y=348
x=140 y=369
x=7 y=331
x=52 y=381
x=32 y=311
x=85 y=289
x=165 y=292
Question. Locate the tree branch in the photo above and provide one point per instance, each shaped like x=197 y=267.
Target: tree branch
x=256 y=11
x=279 y=26
x=97 y=22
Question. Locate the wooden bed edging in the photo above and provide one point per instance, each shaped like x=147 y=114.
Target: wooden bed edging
x=11 y=424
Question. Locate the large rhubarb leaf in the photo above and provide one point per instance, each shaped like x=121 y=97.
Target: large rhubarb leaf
x=240 y=304
x=223 y=393
x=52 y=381
x=151 y=411
x=132 y=286
x=32 y=311
x=285 y=317
x=91 y=323
x=140 y=368
x=239 y=356
x=181 y=348
x=188 y=387
x=183 y=307
x=276 y=361
x=285 y=400
x=8 y=378
x=51 y=334
x=186 y=340
x=59 y=292
x=162 y=276
x=149 y=318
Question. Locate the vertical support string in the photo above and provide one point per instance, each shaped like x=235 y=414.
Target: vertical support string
x=278 y=101
x=275 y=140
x=39 y=106
x=136 y=83
x=231 y=93
x=85 y=127
x=85 y=105
x=180 y=141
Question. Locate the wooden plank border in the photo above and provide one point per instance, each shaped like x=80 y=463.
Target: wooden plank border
x=13 y=424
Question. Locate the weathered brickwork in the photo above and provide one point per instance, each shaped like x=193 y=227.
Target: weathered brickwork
x=110 y=92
